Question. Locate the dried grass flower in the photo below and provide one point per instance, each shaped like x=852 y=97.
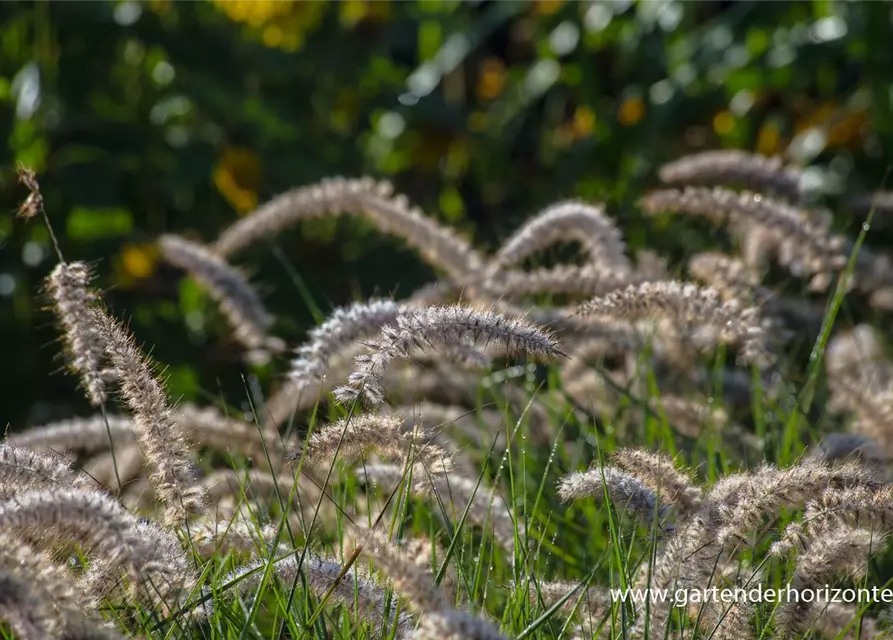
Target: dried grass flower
x=69 y=288
x=345 y=326
x=566 y=221
x=696 y=312
x=357 y=435
x=806 y=248
x=354 y=590
x=627 y=492
x=165 y=448
x=456 y=493
x=438 y=245
x=239 y=302
x=85 y=435
x=430 y=327
x=734 y=167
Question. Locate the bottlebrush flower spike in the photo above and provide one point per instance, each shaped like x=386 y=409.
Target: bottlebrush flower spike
x=690 y=308
x=69 y=288
x=162 y=442
x=440 y=326
x=238 y=300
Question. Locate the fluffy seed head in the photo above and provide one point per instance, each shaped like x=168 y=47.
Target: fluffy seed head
x=626 y=491
x=356 y=435
x=659 y=473
x=733 y=167
x=454 y=625
x=568 y=221
x=344 y=326
x=82 y=435
x=69 y=288
x=430 y=327
x=164 y=447
x=692 y=309
x=392 y=214
x=238 y=300
x=22 y=469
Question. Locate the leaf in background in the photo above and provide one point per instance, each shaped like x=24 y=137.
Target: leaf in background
x=181 y=382
x=88 y=223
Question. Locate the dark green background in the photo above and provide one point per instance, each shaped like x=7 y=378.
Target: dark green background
x=139 y=105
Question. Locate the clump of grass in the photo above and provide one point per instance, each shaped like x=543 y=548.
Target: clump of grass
x=453 y=510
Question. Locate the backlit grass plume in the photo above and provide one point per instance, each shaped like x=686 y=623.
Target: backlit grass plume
x=238 y=300
x=358 y=434
x=332 y=196
x=206 y=426
x=69 y=287
x=807 y=248
x=567 y=221
x=56 y=600
x=22 y=468
x=434 y=327
x=354 y=590
x=694 y=311
x=628 y=492
x=659 y=473
x=486 y=508
x=590 y=606
x=164 y=447
x=22 y=610
x=588 y=280
x=77 y=435
x=438 y=245
x=449 y=624
x=711 y=525
x=841 y=553
x=417 y=588
x=734 y=167
x=101 y=526
x=345 y=325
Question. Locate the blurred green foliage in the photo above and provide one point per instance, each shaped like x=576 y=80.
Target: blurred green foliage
x=142 y=118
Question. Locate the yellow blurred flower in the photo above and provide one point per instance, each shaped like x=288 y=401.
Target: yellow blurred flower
x=768 y=139
x=848 y=130
x=842 y=125
x=282 y=24
x=491 y=80
x=547 y=7
x=724 y=123
x=272 y=36
x=631 y=111
x=138 y=261
x=584 y=122
x=237 y=176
